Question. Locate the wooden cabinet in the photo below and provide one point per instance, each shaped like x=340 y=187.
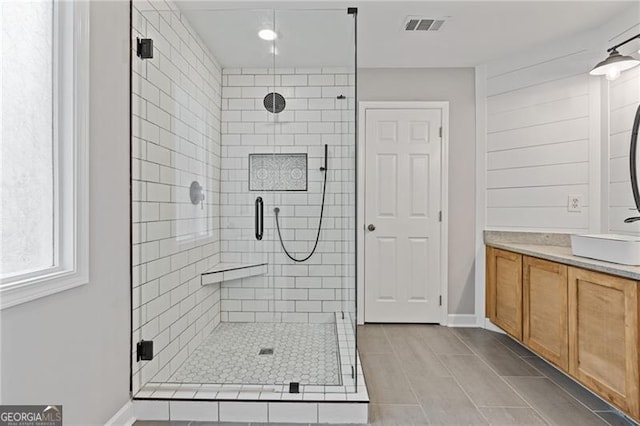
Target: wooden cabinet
x=504 y=290
x=545 y=320
x=584 y=322
x=603 y=336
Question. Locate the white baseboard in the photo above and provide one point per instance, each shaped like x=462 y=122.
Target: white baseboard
x=492 y=327
x=124 y=416
x=461 y=320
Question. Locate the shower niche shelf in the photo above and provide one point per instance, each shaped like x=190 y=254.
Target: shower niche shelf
x=232 y=271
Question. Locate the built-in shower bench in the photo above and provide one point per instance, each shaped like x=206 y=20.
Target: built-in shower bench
x=232 y=271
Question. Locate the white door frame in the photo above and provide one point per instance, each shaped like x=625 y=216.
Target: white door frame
x=443 y=106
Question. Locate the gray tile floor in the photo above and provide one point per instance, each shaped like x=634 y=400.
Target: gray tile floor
x=418 y=374
x=432 y=375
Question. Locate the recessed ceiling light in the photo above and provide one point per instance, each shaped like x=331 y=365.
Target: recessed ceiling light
x=267 y=34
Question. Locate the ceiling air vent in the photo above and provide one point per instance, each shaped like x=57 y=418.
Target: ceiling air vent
x=422 y=24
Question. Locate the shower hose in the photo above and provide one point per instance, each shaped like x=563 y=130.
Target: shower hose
x=315 y=246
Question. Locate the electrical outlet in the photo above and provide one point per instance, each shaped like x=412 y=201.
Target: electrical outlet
x=574 y=203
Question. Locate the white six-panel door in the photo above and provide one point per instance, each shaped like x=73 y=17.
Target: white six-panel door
x=402 y=207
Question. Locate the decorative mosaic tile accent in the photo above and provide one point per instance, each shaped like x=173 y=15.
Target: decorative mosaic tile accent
x=277 y=172
x=304 y=353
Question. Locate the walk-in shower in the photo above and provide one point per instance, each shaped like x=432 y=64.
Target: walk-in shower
x=243 y=203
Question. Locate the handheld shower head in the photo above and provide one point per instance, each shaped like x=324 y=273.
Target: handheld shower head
x=326 y=150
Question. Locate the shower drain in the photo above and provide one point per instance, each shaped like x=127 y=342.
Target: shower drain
x=266 y=351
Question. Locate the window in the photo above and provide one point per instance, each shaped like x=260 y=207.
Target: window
x=44 y=149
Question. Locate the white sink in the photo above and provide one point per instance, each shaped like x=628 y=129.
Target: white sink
x=623 y=249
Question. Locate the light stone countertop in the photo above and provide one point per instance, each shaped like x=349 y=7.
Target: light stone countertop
x=556 y=248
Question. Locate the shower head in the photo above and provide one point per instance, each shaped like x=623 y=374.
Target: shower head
x=326 y=151
x=274 y=102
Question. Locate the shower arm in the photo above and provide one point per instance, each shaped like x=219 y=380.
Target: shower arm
x=633 y=155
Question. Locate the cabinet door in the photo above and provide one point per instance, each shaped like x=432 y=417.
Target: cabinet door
x=545 y=322
x=504 y=290
x=603 y=330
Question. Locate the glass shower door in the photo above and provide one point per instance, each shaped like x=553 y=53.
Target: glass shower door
x=239 y=350
x=317 y=256
x=200 y=244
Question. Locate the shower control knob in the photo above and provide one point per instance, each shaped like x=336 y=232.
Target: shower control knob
x=371 y=227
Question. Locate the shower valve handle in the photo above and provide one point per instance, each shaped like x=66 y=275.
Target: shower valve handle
x=371 y=227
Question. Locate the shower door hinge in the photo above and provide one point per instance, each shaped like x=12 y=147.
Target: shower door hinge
x=144 y=48
x=440 y=301
x=440 y=131
x=440 y=216
x=144 y=350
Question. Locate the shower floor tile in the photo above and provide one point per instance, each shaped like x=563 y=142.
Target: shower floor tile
x=304 y=353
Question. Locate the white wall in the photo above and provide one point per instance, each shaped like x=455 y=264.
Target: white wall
x=553 y=131
x=292 y=292
x=175 y=140
x=455 y=85
x=541 y=134
x=72 y=348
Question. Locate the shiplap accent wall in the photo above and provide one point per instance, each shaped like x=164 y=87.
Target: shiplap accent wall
x=624 y=98
x=554 y=131
x=540 y=136
x=175 y=140
x=314 y=290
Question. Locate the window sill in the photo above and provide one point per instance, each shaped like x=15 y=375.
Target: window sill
x=28 y=290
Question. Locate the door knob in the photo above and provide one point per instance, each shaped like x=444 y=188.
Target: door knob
x=371 y=227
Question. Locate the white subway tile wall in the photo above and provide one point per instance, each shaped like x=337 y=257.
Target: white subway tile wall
x=314 y=116
x=175 y=140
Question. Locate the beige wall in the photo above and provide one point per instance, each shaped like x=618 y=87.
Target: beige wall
x=457 y=86
x=72 y=348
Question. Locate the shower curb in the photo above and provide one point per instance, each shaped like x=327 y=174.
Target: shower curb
x=343 y=412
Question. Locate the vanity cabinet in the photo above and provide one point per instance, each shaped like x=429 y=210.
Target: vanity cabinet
x=504 y=290
x=545 y=316
x=585 y=322
x=603 y=336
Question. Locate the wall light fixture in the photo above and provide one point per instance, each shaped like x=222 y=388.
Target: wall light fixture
x=615 y=63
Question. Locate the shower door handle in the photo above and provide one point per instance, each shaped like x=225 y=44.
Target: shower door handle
x=259 y=218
